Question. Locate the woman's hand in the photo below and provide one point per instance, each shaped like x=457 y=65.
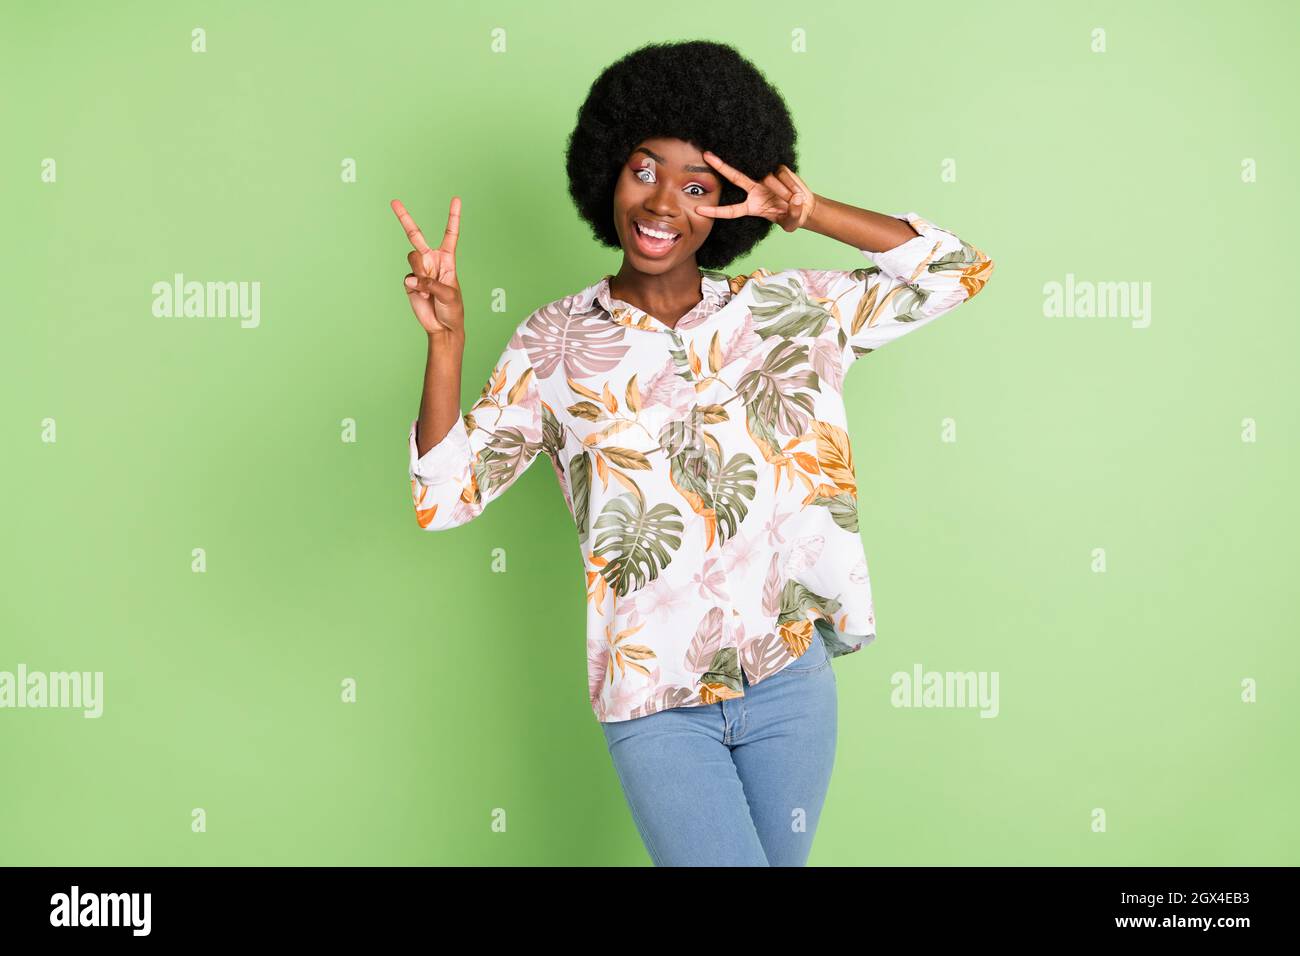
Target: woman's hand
x=431 y=286
x=783 y=198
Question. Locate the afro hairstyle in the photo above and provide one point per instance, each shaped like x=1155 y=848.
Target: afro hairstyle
x=699 y=91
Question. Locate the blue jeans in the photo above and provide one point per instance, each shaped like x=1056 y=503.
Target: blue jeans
x=737 y=783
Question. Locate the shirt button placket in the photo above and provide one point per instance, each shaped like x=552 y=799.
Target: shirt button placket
x=715 y=549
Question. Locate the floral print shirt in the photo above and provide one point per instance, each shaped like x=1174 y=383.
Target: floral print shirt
x=707 y=466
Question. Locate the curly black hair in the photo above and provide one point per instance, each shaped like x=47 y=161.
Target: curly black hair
x=699 y=91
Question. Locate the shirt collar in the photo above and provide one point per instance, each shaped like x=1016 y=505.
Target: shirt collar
x=715 y=292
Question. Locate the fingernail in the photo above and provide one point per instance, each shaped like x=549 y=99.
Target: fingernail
x=410 y=282
x=798 y=200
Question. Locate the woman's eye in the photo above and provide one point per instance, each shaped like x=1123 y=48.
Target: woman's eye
x=649 y=177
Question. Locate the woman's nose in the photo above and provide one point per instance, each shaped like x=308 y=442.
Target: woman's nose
x=663 y=202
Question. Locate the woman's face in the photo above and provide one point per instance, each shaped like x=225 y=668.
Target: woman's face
x=659 y=187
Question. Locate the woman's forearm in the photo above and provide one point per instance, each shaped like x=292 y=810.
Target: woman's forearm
x=440 y=402
x=860 y=228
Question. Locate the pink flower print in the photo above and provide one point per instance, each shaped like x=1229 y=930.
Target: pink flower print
x=772 y=527
x=740 y=552
x=712 y=580
x=658 y=598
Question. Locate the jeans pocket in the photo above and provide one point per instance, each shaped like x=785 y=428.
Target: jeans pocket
x=813 y=659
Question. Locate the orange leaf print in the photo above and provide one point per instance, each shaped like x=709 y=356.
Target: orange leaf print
x=712 y=693
x=470 y=493
x=821 y=491
x=628 y=483
x=520 y=386
x=897 y=290
x=627 y=458
x=623 y=424
x=582 y=389
x=796 y=636
x=921 y=266
x=715 y=353
x=975 y=275
x=865 y=305
x=807 y=462
x=835 y=455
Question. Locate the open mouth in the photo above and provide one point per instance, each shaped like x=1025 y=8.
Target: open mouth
x=654 y=240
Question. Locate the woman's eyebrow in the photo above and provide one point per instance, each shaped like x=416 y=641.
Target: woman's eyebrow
x=688 y=168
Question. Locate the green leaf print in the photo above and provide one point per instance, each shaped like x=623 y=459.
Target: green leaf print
x=723 y=669
x=681 y=361
x=772 y=395
x=728 y=491
x=637 y=544
x=843 y=508
x=552 y=433
x=783 y=309
x=722 y=490
x=505 y=455
x=580 y=488
x=797 y=600
x=682 y=437
x=831 y=636
x=957 y=259
x=911 y=297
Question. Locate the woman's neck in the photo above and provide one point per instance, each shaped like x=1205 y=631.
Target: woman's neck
x=666 y=296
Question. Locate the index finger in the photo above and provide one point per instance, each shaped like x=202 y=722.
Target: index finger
x=731 y=172
x=453 y=227
x=734 y=211
x=412 y=230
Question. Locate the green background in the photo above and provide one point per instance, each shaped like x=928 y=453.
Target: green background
x=1118 y=691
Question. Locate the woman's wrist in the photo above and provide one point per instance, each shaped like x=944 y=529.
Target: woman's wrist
x=446 y=340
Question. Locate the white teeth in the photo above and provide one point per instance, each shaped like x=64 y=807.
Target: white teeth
x=655 y=233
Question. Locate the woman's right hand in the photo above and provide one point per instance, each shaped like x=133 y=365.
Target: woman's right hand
x=431 y=285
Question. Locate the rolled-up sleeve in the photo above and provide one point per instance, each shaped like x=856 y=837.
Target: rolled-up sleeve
x=904 y=288
x=485 y=450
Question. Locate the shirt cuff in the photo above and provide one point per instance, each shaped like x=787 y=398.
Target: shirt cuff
x=903 y=259
x=446 y=460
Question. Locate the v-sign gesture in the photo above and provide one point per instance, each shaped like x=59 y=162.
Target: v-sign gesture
x=783 y=198
x=431 y=285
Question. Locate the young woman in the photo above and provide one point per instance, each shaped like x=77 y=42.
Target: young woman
x=697 y=427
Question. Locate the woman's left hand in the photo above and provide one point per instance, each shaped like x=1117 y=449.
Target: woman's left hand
x=783 y=198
